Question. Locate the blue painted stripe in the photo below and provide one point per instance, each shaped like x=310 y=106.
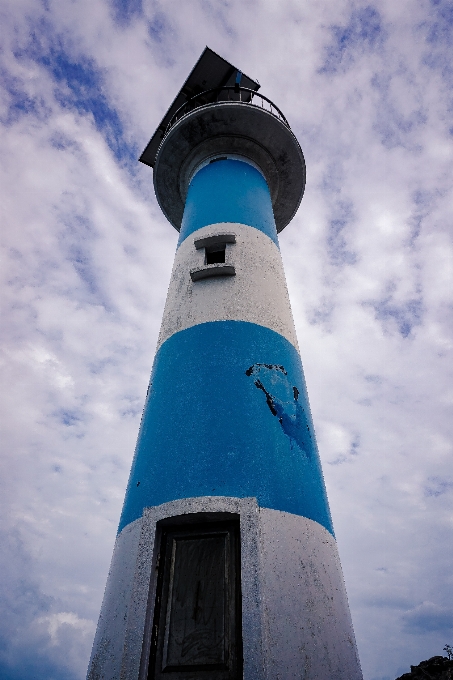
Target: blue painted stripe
x=228 y=415
x=228 y=191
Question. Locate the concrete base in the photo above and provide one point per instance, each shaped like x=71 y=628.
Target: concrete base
x=307 y=625
x=107 y=655
x=296 y=623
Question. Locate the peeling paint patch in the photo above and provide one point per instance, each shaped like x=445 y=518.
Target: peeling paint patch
x=283 y=403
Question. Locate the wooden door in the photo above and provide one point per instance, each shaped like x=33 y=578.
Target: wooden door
x=197 y=622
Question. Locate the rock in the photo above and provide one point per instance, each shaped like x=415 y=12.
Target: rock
x=436 y=668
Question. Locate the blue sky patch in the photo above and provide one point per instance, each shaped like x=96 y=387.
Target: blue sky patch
x=67 y=417
x=76 y=241
x=393 y=127
x=79 y=86
x=124 y=11
x=437 y=486
x=405 y=315
x=423 y=201
x=363 y=32
x=428 y=617
x=437 y=33
x=441 y=28
x=18 y=101
x=336 y=240
x=36 y=668
x=157 y=27
x=25 y=603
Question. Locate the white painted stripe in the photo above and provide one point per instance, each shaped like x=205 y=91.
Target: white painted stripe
x=108 y=645
x=122 y=629
x=308 y=628
x=296 y=620
x=256 y=294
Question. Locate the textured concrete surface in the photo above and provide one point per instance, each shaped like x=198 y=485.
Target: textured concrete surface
x=308 y=628
x=228 y=190
x=127 y=612
x=257 y=294
x=227 y=429
x=228 y=364
x=107 y=654
x=228 y=414
x=295 y=617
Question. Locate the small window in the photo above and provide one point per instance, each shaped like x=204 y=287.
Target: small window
x=197 y=618
x=215 y=263
x=215 y=254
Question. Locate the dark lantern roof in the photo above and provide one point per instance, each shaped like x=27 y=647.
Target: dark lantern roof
x=211 y=71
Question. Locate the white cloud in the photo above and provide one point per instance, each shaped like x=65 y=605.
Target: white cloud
x=55 y=622
x=428 y=617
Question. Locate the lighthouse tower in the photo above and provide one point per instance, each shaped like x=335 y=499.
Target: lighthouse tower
x=225 y=565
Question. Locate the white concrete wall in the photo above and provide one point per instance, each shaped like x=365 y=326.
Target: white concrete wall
x=295 y=614
x=257 y=294
x=108 y=645
x=307 y=624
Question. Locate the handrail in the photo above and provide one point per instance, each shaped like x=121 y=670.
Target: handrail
x=189 y=104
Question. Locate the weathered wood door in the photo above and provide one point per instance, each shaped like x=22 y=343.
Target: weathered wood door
x=197 y=622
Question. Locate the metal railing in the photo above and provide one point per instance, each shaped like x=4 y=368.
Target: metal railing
x=244 y=95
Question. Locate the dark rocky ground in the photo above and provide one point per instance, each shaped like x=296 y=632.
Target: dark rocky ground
x=436 y=668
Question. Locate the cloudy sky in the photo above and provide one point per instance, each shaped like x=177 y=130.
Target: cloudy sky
x=86 y=261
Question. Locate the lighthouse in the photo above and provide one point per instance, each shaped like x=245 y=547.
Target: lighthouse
x=225 y=565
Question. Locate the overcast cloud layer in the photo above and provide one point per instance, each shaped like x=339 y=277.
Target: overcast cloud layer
x=87 y=255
